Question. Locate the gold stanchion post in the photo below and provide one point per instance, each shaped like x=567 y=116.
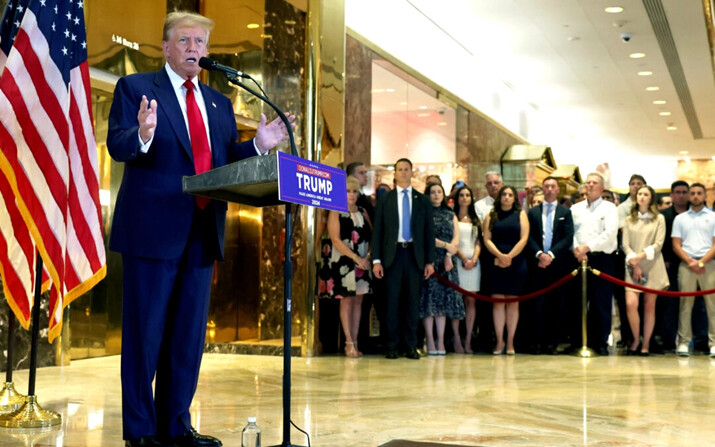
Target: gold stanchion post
x=585 y=351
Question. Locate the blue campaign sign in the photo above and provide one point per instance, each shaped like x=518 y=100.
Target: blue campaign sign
x=311 y=183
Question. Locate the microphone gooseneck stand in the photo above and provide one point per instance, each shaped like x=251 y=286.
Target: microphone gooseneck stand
x=287 y=273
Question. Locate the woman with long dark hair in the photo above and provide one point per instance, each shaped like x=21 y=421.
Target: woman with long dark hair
x=506 y=231
x=439 y=302
x=468 y=267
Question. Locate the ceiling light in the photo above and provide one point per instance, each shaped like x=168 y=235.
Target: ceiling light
x=253 y=26
x=683 y=152
x=390 y=90
x=645 y=73
x=423 y=107
x=671 y=127
x=713 y=157
x=652 y=89
x=573 y=38
x=441 y=123
x=658 y=102
x=687 y=159
x=636 y=55
x=613 y=9
x=422 y=115
x=664 y=114
x=377 y=90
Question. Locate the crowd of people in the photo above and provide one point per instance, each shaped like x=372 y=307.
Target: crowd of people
x=400 y=249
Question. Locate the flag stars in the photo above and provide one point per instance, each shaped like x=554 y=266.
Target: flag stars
x=80 y=5
x=17 y=24
x=20 y=9
x=69 y=15
x=56 y=9
x=54 y=28
x=64 y=51
x=84 y=45
x=43 y=3
x=74 y=38
x=76 y=20
x=67 y=33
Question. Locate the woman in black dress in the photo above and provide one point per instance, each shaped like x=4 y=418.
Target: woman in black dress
x=506 y=231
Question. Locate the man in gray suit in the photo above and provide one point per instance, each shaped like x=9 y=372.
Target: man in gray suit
x=403 y=248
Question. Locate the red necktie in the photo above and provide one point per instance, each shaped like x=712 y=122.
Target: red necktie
x=199 y=139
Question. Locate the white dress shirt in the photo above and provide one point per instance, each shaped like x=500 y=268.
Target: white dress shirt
x=483 y=207
x=596 y=225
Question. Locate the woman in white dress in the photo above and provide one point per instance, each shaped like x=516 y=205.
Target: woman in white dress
x=468 y=253
x=643 y=237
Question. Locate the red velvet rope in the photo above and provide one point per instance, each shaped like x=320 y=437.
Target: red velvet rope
x=478 y=296
x=610 y=278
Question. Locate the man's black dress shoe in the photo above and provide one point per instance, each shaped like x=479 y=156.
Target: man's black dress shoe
x=412 y=354
x=392 y=355
x=194 y=439
x=146 y=441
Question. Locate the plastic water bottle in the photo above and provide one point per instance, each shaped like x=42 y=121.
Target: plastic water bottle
x=251 y=435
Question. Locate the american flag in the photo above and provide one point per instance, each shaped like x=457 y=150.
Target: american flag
x=49 y=155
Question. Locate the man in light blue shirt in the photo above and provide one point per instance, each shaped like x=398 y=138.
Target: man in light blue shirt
x=694 y=243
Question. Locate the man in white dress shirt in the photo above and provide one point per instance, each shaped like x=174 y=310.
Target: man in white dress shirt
x=493 y=184
x=595 y=240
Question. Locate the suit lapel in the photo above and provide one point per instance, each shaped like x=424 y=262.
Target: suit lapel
x=166 y=99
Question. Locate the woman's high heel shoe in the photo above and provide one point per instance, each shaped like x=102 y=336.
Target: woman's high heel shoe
x=351 y=350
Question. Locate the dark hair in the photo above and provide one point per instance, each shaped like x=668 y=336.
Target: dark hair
x=401 y=160
x=550 y=178
x=637 y=177
x=350 y=170
x=496 y=209
x=444 y=196
x=610 y=193
x=471 y=212
x=677 y=183
x=698 y=185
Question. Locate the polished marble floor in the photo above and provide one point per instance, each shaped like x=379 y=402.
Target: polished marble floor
x=465 y=400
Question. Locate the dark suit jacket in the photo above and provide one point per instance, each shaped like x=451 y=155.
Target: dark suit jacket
x=668 y=253
x=152 y=216
x=387 y=225
x=562 y=238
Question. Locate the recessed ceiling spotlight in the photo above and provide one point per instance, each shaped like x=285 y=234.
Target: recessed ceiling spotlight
x=645 y=73
x=253 y=26
x=390 y=90
x=652 y=89
x=664 y=114
x=683 y=152
x=671 y=127
x=658 y=102
x=422 y=115
x=441 y=123
x=636 y=55
x=423 y=107
x=613 y=9
x=573 y=38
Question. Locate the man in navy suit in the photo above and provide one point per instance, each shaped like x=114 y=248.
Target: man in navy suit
x=162 y=125
x=550 y=239
x=403 y=250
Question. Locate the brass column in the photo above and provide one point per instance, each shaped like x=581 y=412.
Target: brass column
x=324 y=121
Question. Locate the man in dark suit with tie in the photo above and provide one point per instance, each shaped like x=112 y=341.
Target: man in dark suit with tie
x=403 y=250
x=550 y=239
x=169 y=240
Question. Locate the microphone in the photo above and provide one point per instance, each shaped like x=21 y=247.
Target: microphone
x=210 y=64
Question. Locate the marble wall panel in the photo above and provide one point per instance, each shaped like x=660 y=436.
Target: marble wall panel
x=701 y=171
x=47 y=354
x=283 y=65
x=358 y=110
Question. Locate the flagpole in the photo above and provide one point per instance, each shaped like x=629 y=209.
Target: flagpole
x=10 y=399
x=31 y=415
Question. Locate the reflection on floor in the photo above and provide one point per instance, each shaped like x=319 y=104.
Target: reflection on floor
x=457 y=399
